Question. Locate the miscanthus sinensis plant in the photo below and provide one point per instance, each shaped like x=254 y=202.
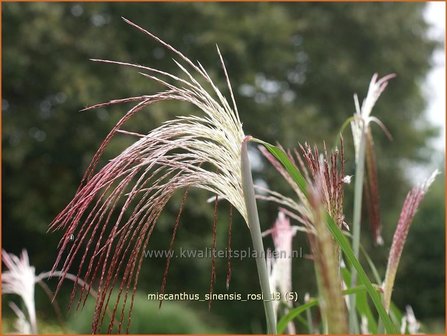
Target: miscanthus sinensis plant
x=19 y=278
x=324 y=176
x=280 y=263
x=318 y=180
x=208 y=150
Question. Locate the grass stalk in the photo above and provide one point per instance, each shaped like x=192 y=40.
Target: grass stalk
x=358 y=193
x=332 y=303
x=322 y=306
x=256 y=237
x=309 y=316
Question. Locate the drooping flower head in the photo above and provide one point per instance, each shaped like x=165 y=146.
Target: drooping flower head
x=200 y=151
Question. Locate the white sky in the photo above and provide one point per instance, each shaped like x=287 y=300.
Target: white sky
x=435 y=84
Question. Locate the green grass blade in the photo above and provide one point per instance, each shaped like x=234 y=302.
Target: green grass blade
x=302 y=320
x=342 y=129
x=371 y=265
x=338 y=236
x=296 y=312
x=375 y=297
x=362 y=305
x=282 y=157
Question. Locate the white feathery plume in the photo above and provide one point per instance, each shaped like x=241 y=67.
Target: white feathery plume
x=204 y=151
x=19 y=279
x=362 y=115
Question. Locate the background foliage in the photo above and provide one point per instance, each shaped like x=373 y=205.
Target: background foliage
x=293 y=67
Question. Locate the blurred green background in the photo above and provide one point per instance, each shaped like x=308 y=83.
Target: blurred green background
x=294 y=68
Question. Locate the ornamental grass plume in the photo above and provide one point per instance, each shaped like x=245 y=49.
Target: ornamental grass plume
x=325 y=178
x=281 y=263
x=327 y=167
x=409 y=208
x=364 y=149
x=207 y=151
x=20 y=279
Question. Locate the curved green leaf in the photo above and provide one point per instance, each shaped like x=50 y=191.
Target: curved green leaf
x=375 y=297
x=338 y=236
x=294 y=313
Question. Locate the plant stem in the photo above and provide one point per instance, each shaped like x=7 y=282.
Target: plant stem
x=32 y=316
x=255 y=231
x=358 y=193
x=327 y=268
x=323 y=310
x=309 y=316
x=388 y=286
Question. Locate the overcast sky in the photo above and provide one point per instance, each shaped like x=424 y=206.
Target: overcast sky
x=435 y=85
